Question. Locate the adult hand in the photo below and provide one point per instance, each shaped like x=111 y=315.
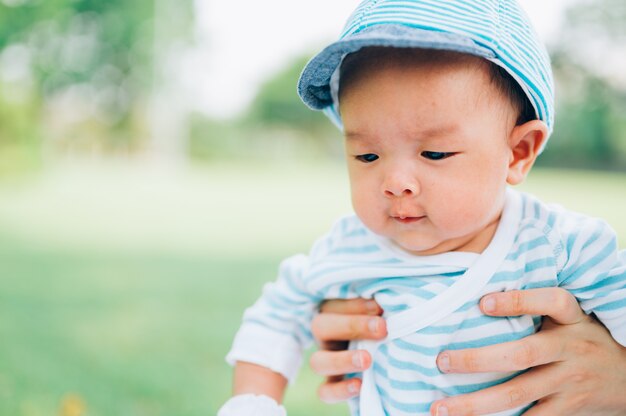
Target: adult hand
x=339 y=322
x=576 y=368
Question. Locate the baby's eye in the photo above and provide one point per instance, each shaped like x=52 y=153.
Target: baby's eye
x=367 y=158
x=437 y=155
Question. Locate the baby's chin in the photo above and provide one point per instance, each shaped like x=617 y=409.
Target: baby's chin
x=417 y=246
x=411 y=241
x=421 y=250
x=421 y=244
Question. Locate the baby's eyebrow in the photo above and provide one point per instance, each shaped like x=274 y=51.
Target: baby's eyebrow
x=353 y=135
x=444 y=130
x=439 y=131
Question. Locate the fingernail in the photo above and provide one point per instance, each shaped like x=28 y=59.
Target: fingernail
x=442 y=410
x=371 y=306
x=489 y=304
x=444 y=363
x=373 y=325
x=357 y=360
x=352 y=388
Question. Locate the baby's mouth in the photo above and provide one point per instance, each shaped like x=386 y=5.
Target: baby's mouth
x=408 y=220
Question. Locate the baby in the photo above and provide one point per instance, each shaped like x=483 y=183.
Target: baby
x=444 y=105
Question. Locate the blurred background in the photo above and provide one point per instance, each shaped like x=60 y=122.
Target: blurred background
x=156 y=164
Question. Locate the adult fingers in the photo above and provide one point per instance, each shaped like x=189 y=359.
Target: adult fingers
x=519 y=391
x=357 y=306
x=557 y=303
x=339 y=391
x=537 y=349
x=339 y=327
x=335 y=363
x=547 y=407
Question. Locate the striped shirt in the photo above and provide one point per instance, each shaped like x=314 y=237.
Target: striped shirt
x=549 y=247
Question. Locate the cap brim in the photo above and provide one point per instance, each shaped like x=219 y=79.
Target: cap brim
x=314 y=86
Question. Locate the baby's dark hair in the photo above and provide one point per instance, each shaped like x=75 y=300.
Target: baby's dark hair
x=354 y=64
x=511 y=89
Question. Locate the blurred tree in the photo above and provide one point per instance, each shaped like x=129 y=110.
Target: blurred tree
x=74 y=41
x=590 y=77
x=277 y=103
x=276 y=124
x=81 y=69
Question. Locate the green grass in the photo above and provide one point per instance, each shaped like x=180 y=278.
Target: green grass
x=125 y=288
x=130 y=335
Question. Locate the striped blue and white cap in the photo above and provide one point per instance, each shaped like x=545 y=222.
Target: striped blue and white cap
x=496 y=30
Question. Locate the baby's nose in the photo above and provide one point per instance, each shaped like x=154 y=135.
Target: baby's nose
x=405 y=192
x=400 y=184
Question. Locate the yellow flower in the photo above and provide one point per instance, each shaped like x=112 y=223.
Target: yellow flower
x=72 y=405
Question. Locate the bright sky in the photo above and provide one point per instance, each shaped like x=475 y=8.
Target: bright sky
x=241 y=44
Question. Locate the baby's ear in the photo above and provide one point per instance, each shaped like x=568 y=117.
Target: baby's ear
x=525 y=141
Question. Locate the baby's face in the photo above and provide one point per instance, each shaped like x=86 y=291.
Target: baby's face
x=428 y=155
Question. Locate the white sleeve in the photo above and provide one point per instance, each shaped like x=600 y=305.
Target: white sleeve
x=276 y=329
x=250 y=404
x=595 y=272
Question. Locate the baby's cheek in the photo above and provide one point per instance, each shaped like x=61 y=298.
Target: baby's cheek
x=370 y=217
x=363 y=207
x=458 y=216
